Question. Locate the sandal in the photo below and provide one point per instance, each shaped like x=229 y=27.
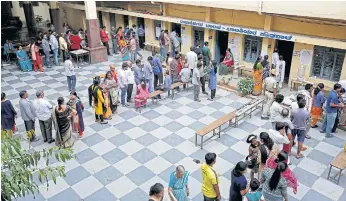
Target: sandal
x=299 y=156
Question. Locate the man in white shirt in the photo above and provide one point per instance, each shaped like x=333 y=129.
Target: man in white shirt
x=196 y=82
x=191 y=57
x=275 y=57
x=276 y=109
x=185 y=75
x=122 y=81
x=280 y=70
x=307 y=96
x=55 y=47
x=130 y=81
x=70 y=74
x=43 y=111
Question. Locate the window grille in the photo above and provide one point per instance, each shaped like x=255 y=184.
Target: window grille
x=252 y=48
x=327 y=63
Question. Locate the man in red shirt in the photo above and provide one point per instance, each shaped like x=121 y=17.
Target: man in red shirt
x=75 y=41
x=104 y=39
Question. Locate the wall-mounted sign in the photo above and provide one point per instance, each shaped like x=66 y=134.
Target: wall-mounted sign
x=233 y=29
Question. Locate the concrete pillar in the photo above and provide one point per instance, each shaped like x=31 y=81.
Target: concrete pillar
x=55 y=17
x=97 y=52
x=267 y=47
x=29 y=18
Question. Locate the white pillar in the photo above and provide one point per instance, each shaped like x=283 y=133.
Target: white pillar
x=90 y=10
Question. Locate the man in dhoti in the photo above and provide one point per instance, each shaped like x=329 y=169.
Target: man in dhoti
x=269 y=91
x=280 y=70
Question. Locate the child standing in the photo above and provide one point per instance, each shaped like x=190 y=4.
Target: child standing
x=299 y=120
x=255 y=194
x=212 y=81
x=168 y=82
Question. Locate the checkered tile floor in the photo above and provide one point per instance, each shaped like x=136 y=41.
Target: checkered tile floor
x=121 y=160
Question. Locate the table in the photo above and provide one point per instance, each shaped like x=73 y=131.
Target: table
x=80 y=53
x=295 y=82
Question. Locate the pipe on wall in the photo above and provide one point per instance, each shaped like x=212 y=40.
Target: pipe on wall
x=260 y=6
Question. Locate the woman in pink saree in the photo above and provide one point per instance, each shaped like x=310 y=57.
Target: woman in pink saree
x=142 y=94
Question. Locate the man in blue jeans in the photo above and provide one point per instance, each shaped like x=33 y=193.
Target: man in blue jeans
x=122 y=81
x=55 y=47
x=70 y=74
x=46 y=49
x=331 y=111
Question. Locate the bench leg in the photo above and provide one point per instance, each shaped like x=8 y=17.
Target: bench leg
x=201 y=142
x=213 y=132
x=219 y=131
x=172 y=93
x=195 y=139
x=339 y=177
x=330 y=168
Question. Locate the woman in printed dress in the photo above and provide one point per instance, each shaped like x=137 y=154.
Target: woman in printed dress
x=107 y=113
x=77 y=120
x=110 y=85
x=257 y=77
x=266 y=67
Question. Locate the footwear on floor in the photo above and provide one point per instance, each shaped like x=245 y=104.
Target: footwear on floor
x=307 y=136
x=315 y=126
x=51 y=141
x=329 y=136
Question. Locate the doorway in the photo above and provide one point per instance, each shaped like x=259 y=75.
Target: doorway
x=112 y=20
x=221 y=40
x=126 y=21
x=176 y=28
x=140 y=21
x=286 y=50
x=100 y=19
x=198 y=36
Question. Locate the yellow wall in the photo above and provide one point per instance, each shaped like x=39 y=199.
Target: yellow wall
x=185 y=47
x=75 y=18
x=155 y=10
x=236 y=17
x=119 y=21
x=296 y=64
x=187 y=12
x=292 y=26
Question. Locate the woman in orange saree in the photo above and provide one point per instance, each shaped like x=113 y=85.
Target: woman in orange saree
x=257 y=77
x=318 y=100
x=36 y=58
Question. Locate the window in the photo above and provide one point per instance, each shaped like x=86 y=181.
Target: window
x=157 y=29
x=327 y=63
x=33 y=3
x=252 y=48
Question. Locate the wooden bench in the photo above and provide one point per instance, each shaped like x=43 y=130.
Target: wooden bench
x=177 y=84
x=213 y=126
x=153 y=95
x=243 y=68
x=340 y=163
x=295 y=82
x=247 y=109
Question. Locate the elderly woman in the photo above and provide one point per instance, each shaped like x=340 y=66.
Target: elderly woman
x=23 y=60
x=227 y=63
x=178 y=184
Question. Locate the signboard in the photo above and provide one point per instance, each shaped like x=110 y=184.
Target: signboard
x=239 y=30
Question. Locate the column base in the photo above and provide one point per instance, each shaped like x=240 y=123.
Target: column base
x=97 y=54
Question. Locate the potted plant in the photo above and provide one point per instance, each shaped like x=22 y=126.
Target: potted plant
x=245 y=86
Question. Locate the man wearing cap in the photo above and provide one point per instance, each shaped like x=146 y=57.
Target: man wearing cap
x=269 y=91
x=43 y=111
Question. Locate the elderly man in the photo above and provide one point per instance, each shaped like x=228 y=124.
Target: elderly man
x=55 y=47
x=28 y=114
x=269 y=91
x=46 y=50
x=43 y=111
x=191 y=57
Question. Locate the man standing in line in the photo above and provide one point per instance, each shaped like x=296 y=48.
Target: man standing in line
x=280 y=70
x=122 y=81
x=43 y=111
x=202 y=74
x=148 y=73
x=28 y=114
x=210 y=179
x=55 y=47
x=196 y=81
x=46 y=50
x=114 y=40
x=138 y=71
x=331 y=110
x=141 y=36
x=206 y=54
x=172 y=37
x=269 y=91
x=104 y=39
x=166 y=37
x=133 y=47
x=63 y=46
x=275 y=58
x=191 y=57
x=70 y=74
x=130 y=81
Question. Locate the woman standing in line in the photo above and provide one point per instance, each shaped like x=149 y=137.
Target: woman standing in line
x=178 y=184
x=257 y=77
x=61 y=119
x=266 y=67
x=77 y=120
x=36 y=58
x=112 y=88
x=238 y=186
x=212 y=81
x=264 y=151
x=318 y=100
x=8 y=114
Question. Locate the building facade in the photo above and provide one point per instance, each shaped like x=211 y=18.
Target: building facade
x=310 y=38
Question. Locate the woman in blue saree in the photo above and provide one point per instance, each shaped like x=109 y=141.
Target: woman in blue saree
x=178 y=184
x=23 y=60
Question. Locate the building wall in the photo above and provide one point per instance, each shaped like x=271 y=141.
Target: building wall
x=237 y=17
x=75 y=18
x=293 y=26
x=42 y=10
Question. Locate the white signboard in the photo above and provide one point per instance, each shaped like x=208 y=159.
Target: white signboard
x=305 y=57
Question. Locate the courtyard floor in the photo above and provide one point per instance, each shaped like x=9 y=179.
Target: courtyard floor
x=121 y=160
